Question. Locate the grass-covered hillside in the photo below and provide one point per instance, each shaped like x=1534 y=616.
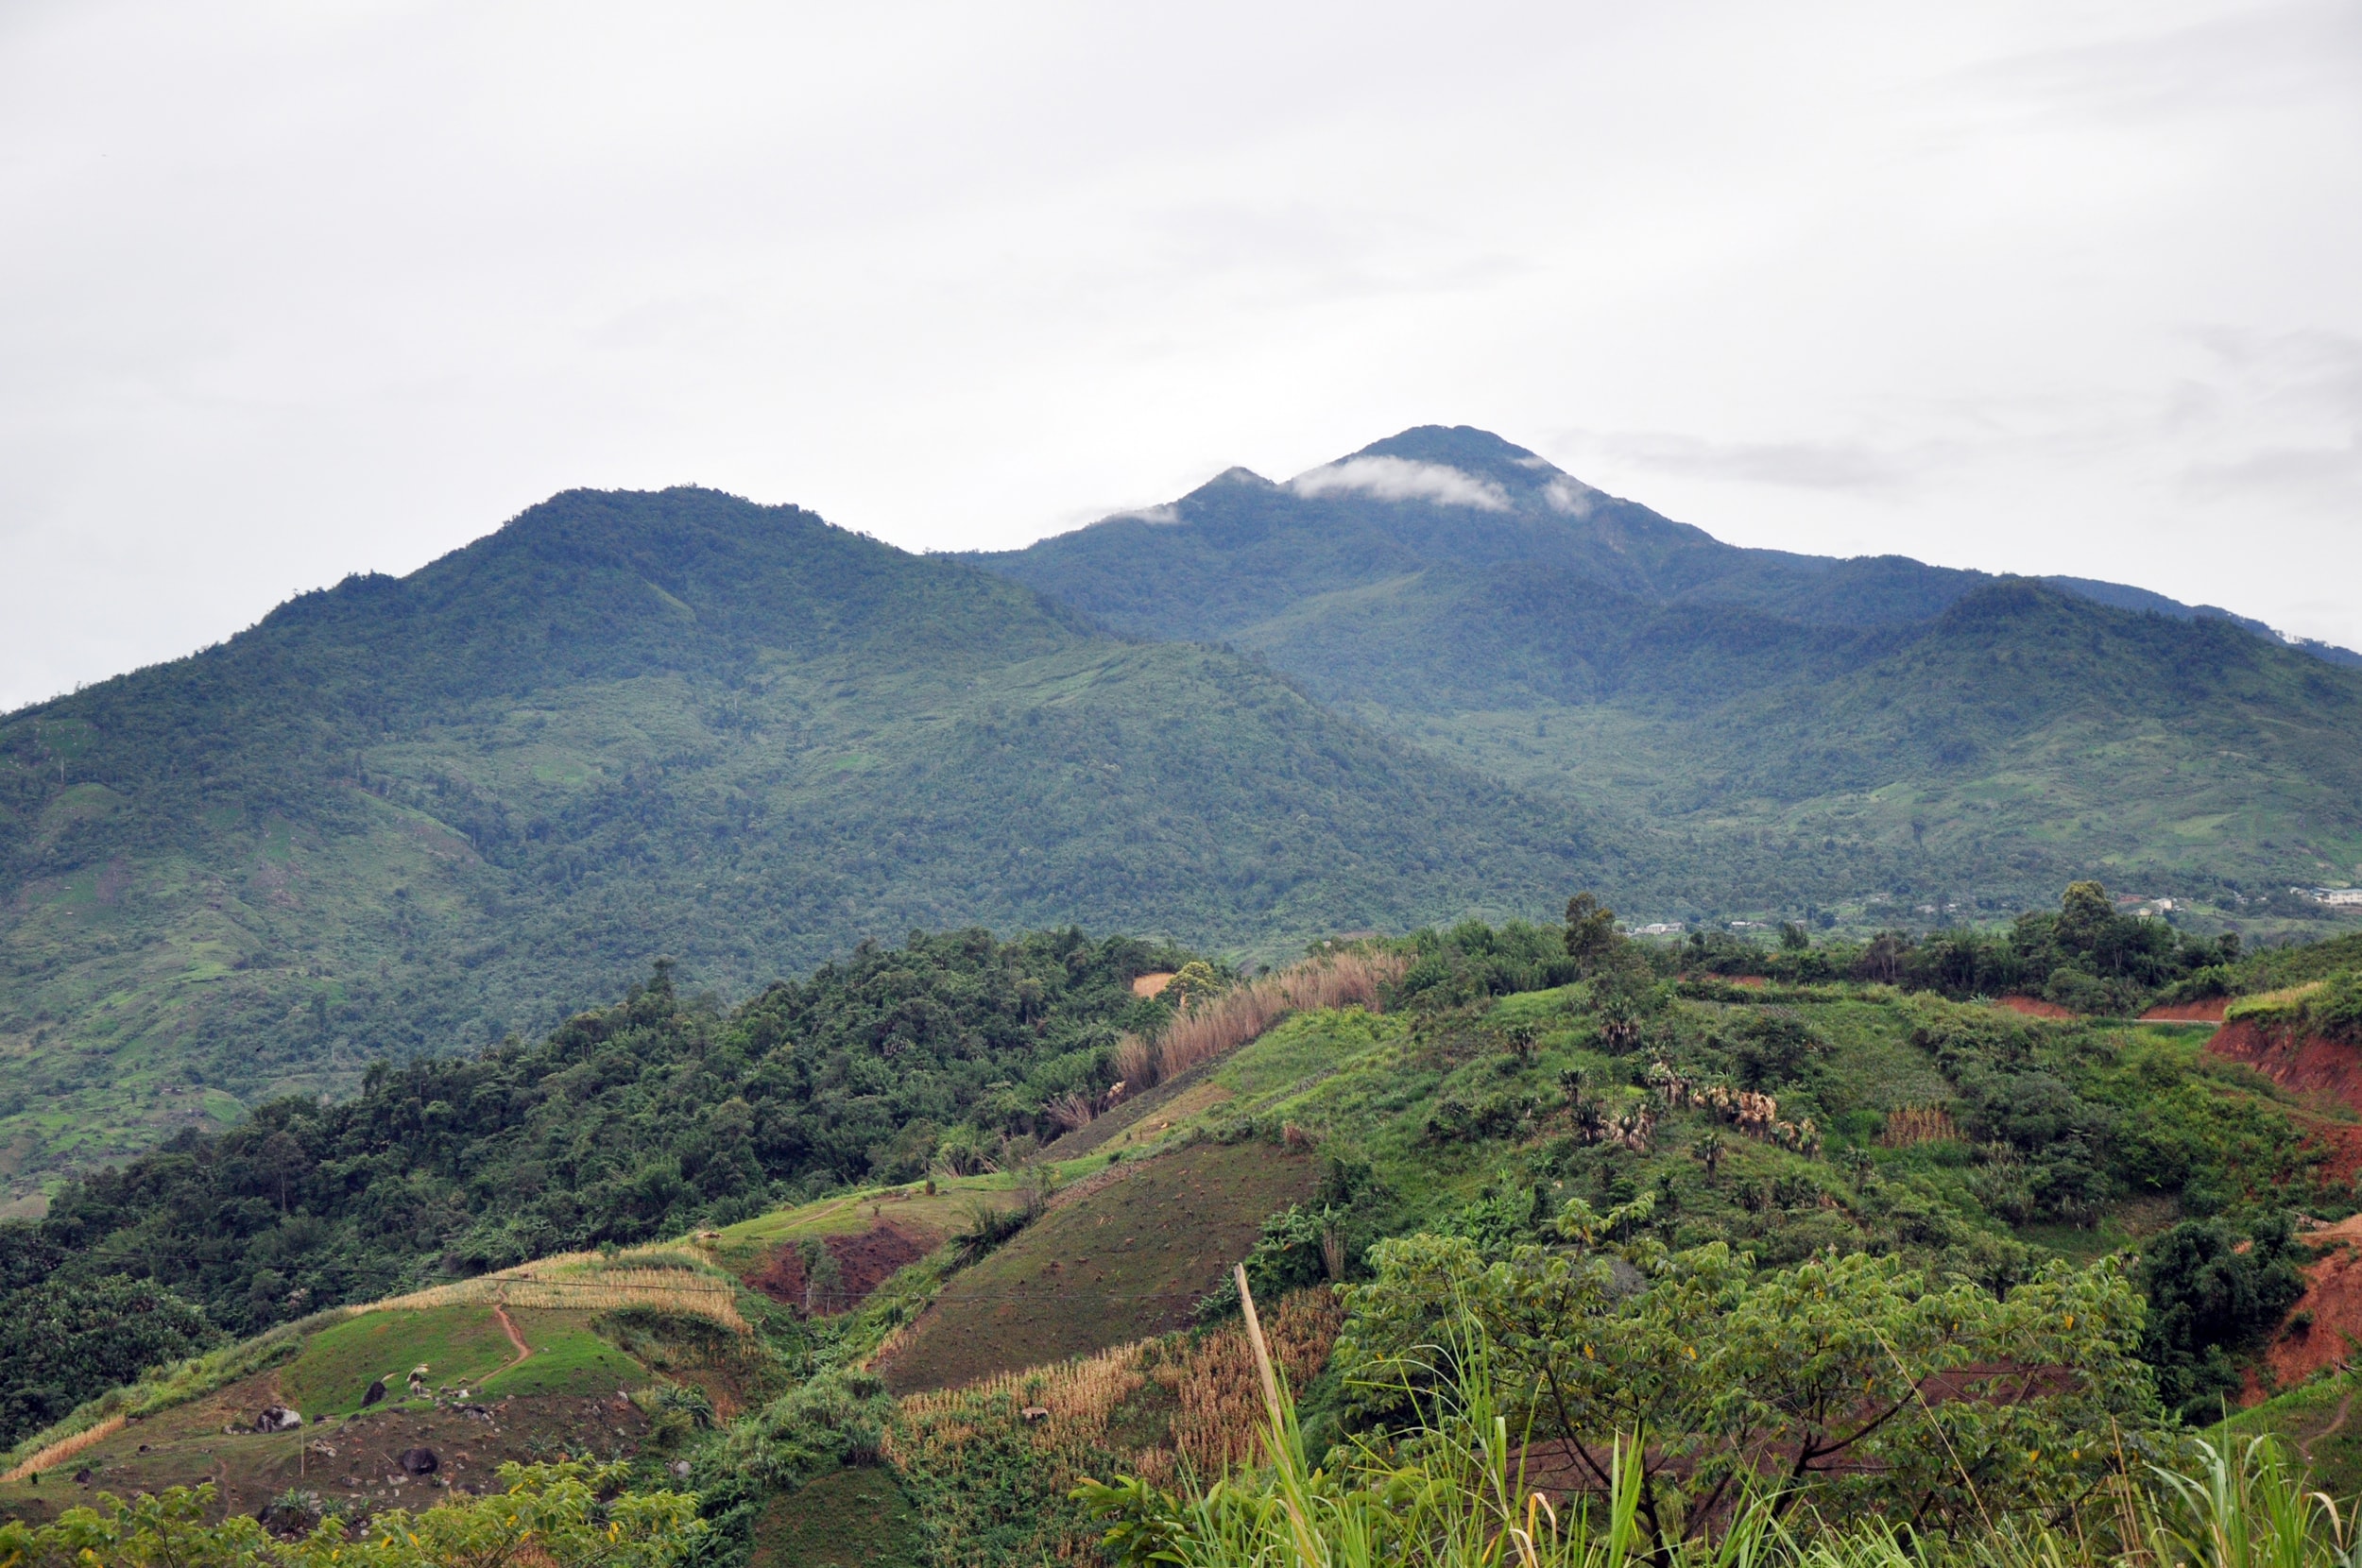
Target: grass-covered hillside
x=406 y=816
x=1774 y=730
x=1742 y=1210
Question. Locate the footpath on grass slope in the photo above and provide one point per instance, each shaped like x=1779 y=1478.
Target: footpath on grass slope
x=515 y=1338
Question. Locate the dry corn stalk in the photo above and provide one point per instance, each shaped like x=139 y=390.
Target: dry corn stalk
x=675 y=1290
x=1219 y=1389
x=1914 y=1124
x=65 y=1448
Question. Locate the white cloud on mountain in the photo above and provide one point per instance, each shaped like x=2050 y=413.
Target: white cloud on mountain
x=1402 y=479
x=1570 y=495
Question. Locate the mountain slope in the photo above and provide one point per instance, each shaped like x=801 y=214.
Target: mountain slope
x=402 y=816
x=1476 y=1107
x=1779 y=728
x=1241 y=548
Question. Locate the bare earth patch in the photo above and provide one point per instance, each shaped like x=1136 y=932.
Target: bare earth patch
x=864 y=1259
x=2033 y=1007
x=2208 y=1012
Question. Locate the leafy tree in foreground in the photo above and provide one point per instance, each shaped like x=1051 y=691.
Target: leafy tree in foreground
x=1855 y=1384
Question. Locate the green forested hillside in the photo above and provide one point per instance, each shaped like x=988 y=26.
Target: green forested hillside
x=1774 y=730
x=1616 y=1166
x=414 y=815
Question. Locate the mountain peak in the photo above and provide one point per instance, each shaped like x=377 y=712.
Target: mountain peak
x=1452 y=466
x=1459 y=446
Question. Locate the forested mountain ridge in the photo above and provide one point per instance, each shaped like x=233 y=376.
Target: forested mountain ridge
x=413 y=815
x=1772 y=713
x=1241 y=548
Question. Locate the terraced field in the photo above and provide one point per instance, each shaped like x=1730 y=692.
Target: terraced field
x=1117 y=1262
x=562 y=1397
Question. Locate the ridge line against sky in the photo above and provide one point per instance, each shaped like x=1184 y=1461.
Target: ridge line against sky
x=2044 y=288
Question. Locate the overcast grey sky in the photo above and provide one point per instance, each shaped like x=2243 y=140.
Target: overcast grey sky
x=290 y=290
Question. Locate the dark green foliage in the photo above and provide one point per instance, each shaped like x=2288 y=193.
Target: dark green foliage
x=2212 y=1294
x=1774 y=1048
x=2273 y=967
x=2336 y=1009
x=836 y=1418
x=635 y=1121
x=1289 y=1255
x=1473 y=961
x=2087 y=958
x=63 y=1338
x=987 y=1226
x=1591 y=934
x=1806 y=728
x=409 y=817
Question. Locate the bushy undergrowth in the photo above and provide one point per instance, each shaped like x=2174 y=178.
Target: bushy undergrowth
x=565 y=1515
x=1460 y=1482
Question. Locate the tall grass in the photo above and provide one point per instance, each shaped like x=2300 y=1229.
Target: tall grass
x=1452 y=1493
x=1213 y=1028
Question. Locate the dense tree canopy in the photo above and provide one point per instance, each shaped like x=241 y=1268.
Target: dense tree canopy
x=633 y=1121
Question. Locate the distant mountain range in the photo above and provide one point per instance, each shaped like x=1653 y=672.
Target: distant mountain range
x=1761 y=725
x=411 y=815
x=1240 y=549
x=1437 y=678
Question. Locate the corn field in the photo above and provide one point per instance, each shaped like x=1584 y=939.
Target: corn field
x=579 y=1283
x=64 y=1449
x=1216 y=1429
x=1916 y=1124
x=999 y=1458
x=1079 y=1394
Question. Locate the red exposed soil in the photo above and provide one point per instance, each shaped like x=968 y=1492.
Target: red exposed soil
x=2332 y=1294
x=2341 y=1141
x=2033 y=1007
x=2208 y=1012
x=515 y=1338
x=863 y=1261
x=2322 y=1070
x=2305 y=1063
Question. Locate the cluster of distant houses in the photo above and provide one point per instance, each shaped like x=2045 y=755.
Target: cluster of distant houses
x=2330 y=895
